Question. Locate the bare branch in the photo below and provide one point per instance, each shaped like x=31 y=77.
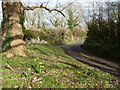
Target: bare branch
x=68 y=5
x=47 y=3
x=41 y=6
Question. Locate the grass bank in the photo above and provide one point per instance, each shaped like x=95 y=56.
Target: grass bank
x=48 y=66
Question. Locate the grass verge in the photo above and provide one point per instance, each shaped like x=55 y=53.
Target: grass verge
x=48 y=66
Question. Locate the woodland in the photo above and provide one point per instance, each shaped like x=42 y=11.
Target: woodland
x=60 y=45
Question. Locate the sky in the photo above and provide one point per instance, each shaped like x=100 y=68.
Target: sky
x=53 y=2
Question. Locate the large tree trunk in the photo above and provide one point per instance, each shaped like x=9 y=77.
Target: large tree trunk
x=12 y=35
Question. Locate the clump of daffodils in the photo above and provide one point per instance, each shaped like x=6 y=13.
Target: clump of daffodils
x=36 y=59
x=37 y=66
x=42 y=66
x=40 y=63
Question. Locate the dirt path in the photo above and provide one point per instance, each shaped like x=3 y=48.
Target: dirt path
x=82 y=55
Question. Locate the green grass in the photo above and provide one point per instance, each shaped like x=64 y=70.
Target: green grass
x=59 y=71
x=67 y=42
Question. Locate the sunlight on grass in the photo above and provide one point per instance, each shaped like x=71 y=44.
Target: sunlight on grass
x=48 y=66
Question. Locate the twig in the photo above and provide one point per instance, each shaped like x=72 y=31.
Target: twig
x=9 y=67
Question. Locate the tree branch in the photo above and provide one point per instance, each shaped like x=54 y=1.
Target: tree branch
x=41 y=6
x=68 y=5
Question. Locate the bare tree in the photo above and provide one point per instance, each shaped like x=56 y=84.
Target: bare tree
x=57 y=21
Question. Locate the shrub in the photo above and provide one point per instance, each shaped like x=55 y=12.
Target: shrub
x=102 y=40
x=55 y=36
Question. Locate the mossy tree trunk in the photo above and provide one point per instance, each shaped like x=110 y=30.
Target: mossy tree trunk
x=12 y=33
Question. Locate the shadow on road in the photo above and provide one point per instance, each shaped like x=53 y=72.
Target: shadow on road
x=83 y=56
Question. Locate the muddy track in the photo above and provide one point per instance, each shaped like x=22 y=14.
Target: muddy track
x=83 y=56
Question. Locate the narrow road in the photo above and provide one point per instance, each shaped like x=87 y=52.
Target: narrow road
x=82 y=55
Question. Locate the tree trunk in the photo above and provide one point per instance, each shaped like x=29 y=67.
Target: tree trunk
x=12 y=34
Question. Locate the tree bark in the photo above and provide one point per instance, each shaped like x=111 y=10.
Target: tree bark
x=12 y=34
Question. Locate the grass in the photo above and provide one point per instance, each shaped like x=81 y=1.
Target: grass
x=67 y=42
x=59 y=71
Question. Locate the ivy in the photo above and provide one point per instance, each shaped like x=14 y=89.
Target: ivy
x=4 y=21
x=23 y=27
x=7 y=43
